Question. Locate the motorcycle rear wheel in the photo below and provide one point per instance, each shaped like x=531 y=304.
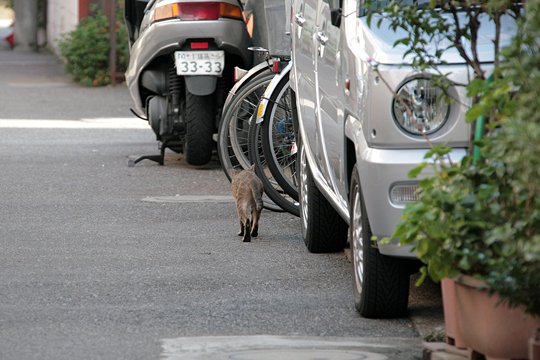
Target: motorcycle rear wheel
x=199 y=115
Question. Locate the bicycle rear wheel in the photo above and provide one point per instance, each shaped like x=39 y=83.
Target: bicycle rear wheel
x=271 y=187
x=279 y=138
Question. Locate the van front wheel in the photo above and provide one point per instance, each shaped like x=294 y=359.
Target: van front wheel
x=380 y=283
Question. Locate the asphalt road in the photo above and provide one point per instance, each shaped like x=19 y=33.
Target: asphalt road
x=100 y=260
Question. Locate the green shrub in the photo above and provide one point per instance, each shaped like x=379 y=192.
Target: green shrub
x=86 y=49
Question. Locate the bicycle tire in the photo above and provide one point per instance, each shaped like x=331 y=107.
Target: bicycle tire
x=240 y=84
x=271 y=188
x=226 y=154
x=234 y=125
x=279 y=139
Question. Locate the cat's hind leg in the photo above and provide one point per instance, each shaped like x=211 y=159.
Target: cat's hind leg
x=247 y=233
x=242 y=227
x=241 y=232
x=255 y=215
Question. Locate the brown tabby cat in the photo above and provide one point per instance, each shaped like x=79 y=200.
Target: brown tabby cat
x=247 y=190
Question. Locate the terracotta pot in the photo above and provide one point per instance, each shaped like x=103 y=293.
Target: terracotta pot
x=489 y=328
x=453 y=333
x=534 y=346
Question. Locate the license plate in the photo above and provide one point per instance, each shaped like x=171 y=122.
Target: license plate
x=199 y=62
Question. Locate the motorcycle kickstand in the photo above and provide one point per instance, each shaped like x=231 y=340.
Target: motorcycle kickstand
x=160 y=159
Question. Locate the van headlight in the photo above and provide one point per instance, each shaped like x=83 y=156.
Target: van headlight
x=420 y=107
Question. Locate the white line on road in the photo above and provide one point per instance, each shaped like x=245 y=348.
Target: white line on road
x=190 y=199
x=97 y=123
x=34 y=85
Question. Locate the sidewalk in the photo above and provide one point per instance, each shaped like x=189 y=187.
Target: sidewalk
x=24 y=75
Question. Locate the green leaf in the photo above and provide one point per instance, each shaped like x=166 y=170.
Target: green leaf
x=417 y=170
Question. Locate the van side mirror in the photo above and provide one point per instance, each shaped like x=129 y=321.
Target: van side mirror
x=335 y=16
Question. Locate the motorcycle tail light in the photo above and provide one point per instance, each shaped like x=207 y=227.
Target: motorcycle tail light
x=165 y=12
x=197 y=11
x=230 y=11
x=199 y=45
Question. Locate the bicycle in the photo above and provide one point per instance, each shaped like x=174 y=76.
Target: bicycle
x=239 y=115
x=231 y=140
x=279 y=131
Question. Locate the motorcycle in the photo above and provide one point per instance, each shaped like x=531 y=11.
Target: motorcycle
x=181 y=68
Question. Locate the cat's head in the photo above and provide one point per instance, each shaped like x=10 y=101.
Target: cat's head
x=234 y=172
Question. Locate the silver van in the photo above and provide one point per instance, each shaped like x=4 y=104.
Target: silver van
x=358 y=144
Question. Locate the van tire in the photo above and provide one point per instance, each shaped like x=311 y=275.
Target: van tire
x=380 y=283
x=323 y=229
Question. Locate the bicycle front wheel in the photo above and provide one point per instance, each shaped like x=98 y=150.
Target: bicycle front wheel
x=279 y=138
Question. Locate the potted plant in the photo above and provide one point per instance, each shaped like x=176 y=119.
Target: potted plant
x=478 y=220
x=479 y=224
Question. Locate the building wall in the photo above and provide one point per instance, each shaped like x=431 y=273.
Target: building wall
x=62 y=17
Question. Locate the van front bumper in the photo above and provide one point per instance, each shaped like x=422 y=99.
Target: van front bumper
x=381 y=170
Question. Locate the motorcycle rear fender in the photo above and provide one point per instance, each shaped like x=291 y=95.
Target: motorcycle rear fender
x=201 y=85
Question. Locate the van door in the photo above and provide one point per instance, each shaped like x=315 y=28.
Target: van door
x=330 y=94
x=304 y=15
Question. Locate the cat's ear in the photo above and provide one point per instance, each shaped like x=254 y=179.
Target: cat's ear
x=252 y=168
x=233 y=171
